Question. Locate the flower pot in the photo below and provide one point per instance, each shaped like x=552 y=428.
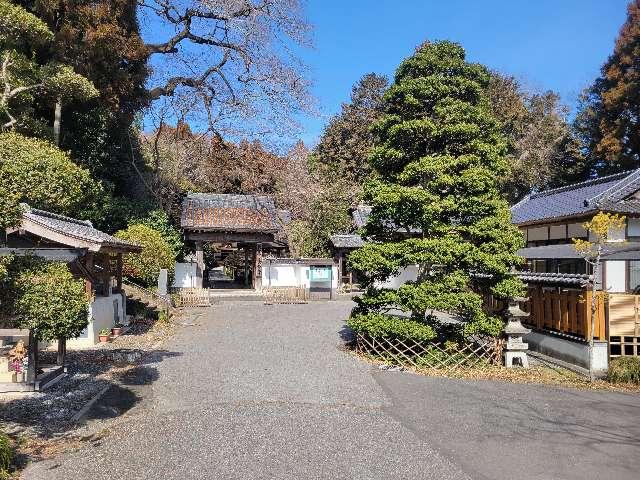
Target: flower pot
x=103 y=338
x=116 y=331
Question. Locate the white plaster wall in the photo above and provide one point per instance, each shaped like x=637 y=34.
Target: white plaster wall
x=186 y=275
x=292 y=275
x=101 y=315
x=615 y=275
x=279 y=276
x=409 y=273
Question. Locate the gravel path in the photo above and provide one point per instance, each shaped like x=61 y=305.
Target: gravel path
x=265 y=392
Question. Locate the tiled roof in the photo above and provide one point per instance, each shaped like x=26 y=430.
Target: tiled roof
x=347 y=241
x=79 y=229
x=606 y=193
x=224 y=212
x=555 y=278
x=297 y=261
x=611 y=251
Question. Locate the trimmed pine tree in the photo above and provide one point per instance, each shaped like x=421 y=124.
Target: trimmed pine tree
x=436 y=205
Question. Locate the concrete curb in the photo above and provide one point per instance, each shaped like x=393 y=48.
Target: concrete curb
x=80 y=413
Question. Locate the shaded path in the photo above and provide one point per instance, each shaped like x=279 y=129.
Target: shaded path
x=265 y=392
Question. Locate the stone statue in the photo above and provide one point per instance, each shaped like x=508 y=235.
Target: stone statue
x=17 y=353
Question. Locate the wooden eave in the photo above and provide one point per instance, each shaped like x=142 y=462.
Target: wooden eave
x=70 y=240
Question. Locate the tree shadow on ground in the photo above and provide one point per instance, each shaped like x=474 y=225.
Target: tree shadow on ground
x=348 y=336
x=56 y=410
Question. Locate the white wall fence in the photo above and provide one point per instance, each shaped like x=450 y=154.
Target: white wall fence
x=291 y=275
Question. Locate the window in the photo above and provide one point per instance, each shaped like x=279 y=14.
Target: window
x=634 y=276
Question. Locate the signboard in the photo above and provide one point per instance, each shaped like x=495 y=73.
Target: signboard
x=319 y=274
x=320 y=281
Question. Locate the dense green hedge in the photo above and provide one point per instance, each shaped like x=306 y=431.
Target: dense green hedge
x=389 y=326
x=50 y=300
x=624 y=370
x=157 y=253
x=37 y=172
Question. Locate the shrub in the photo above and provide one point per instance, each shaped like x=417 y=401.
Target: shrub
x=50 y=300
x=37 y=172
x=159 y=221
x=389 y=326
x=624 y=370
x=157 y=253
x=6 y=455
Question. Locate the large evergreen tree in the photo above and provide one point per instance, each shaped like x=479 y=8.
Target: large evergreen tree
x=347 y=139
x=437 y=160
x=609 y=119
x=101 y=41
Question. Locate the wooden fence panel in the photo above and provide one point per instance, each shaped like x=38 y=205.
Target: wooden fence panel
x=564 y=311
x=623 y=315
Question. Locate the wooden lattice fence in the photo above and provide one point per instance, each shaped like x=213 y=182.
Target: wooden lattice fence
x=273 y=295
x=474 y=352
x=193 y=297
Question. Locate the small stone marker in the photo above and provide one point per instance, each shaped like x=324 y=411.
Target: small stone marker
x=516 y=349
x=162 y=282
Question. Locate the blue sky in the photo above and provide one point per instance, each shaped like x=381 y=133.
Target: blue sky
x=548 y=44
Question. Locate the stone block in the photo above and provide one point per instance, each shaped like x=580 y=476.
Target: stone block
x=522 y=358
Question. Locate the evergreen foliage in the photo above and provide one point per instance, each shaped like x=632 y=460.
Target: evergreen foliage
x=437 y=160
x=160 y=222
x=50 y=300
x=609 y=117
x=38 y=173
x=28 y=82
x=347 y=139
x=377 y=325
x=102 y=93
x=157 y=253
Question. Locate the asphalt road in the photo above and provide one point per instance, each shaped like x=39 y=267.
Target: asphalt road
x=265 y=392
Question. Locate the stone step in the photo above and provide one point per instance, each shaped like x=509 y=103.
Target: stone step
x=8 y=377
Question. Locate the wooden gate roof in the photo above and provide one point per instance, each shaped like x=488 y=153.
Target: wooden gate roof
x=229 y=213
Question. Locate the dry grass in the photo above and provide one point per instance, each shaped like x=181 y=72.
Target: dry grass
x=541 y=375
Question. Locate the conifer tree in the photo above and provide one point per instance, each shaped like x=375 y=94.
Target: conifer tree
x=609 y=118
x=435 y=200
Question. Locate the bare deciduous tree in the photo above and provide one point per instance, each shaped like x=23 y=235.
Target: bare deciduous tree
x=234 y=60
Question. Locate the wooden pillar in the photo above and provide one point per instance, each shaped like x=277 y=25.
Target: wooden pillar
x=200 y=264
x=32 y=351
x=257 y=266
x=119 y=272
x=88 y=264
x=246 y=265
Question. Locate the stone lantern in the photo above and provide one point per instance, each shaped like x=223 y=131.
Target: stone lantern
x=514 y=331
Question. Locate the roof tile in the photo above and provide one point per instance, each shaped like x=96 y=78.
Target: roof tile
x=580 y=198
x=229 y=212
